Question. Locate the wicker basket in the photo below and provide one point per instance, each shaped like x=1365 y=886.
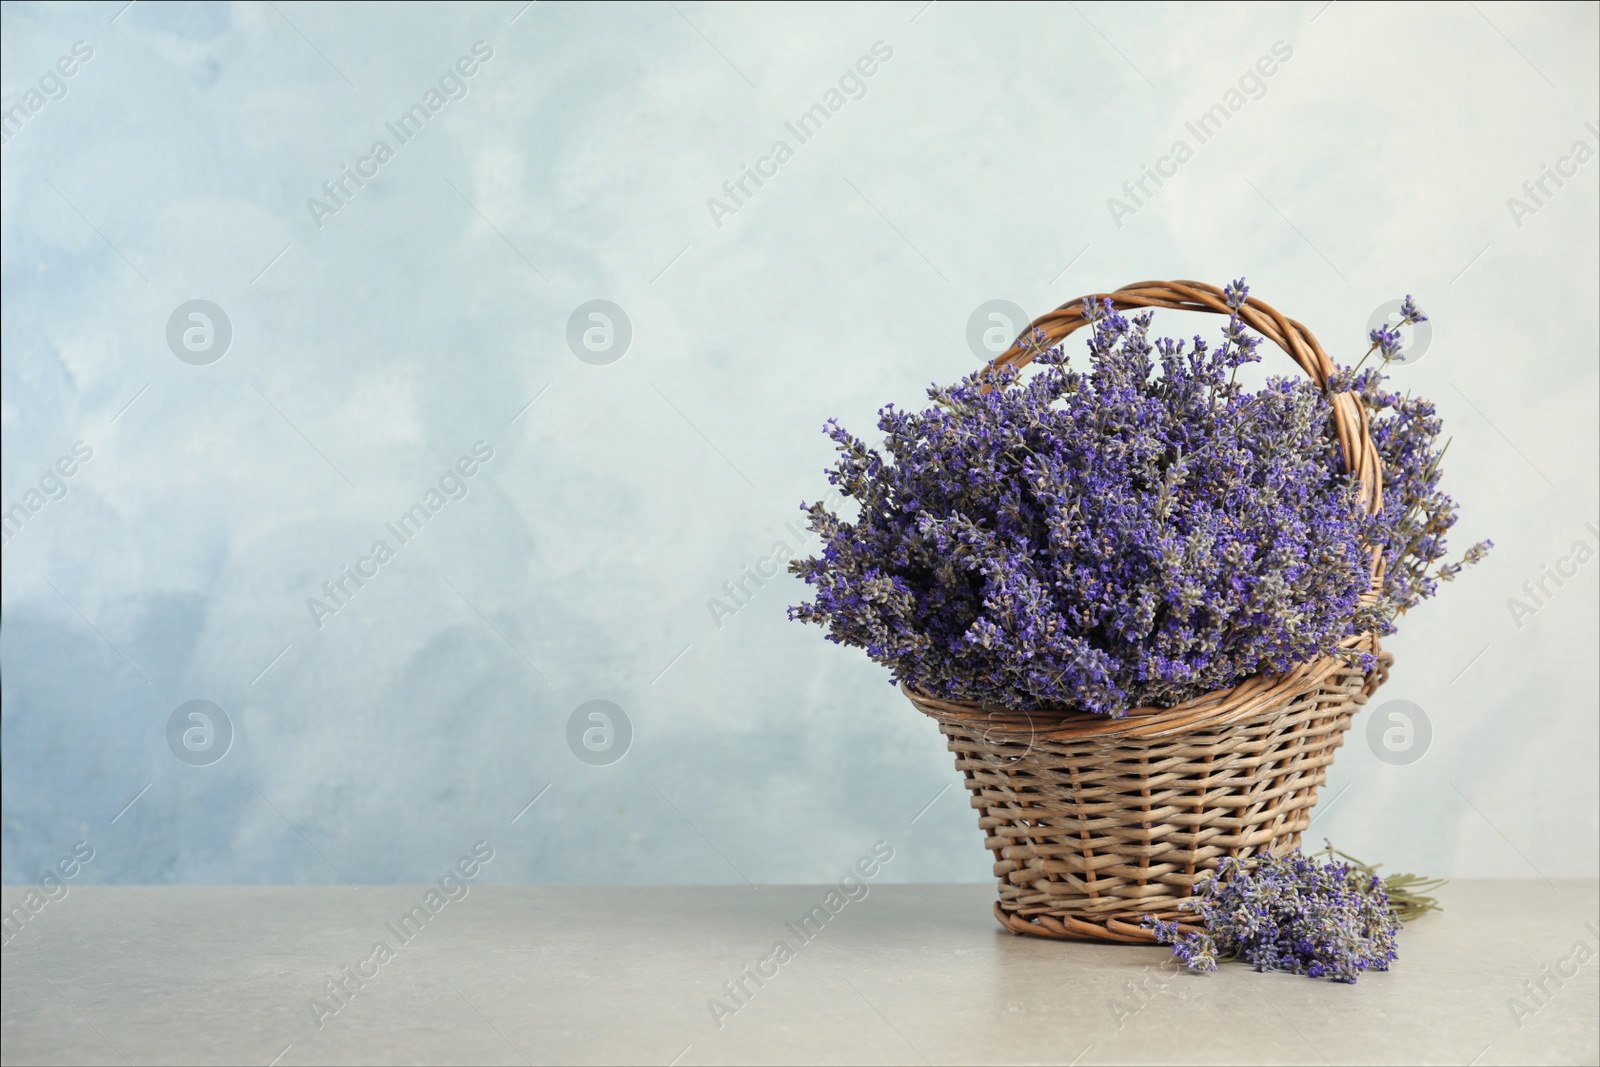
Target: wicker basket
x=1096 y=822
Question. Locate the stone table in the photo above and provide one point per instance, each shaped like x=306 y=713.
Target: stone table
x=905 y=974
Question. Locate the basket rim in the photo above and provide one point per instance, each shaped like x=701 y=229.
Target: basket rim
x=1220 y=707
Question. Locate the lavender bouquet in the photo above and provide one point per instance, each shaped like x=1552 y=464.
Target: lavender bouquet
x=1138 y=533
x=1290 y=914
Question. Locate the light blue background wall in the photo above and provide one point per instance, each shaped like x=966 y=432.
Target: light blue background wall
x=427 y=313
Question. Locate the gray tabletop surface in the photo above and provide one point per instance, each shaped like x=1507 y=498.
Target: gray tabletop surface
x=905 y=974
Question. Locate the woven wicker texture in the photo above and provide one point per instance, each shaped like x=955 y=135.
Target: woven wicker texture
x=1096 y=822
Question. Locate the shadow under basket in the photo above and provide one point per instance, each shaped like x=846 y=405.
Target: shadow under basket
x=1097 y=822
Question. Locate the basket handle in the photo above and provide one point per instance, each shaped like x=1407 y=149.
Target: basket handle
x=1350 y=417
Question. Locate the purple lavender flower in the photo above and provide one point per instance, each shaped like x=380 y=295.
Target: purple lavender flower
x=1387 y=341
x=1287 y=914
x=1416 y=514
x=1139 y=533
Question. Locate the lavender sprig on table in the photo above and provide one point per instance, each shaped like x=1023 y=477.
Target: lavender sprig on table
x=1323 y=920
